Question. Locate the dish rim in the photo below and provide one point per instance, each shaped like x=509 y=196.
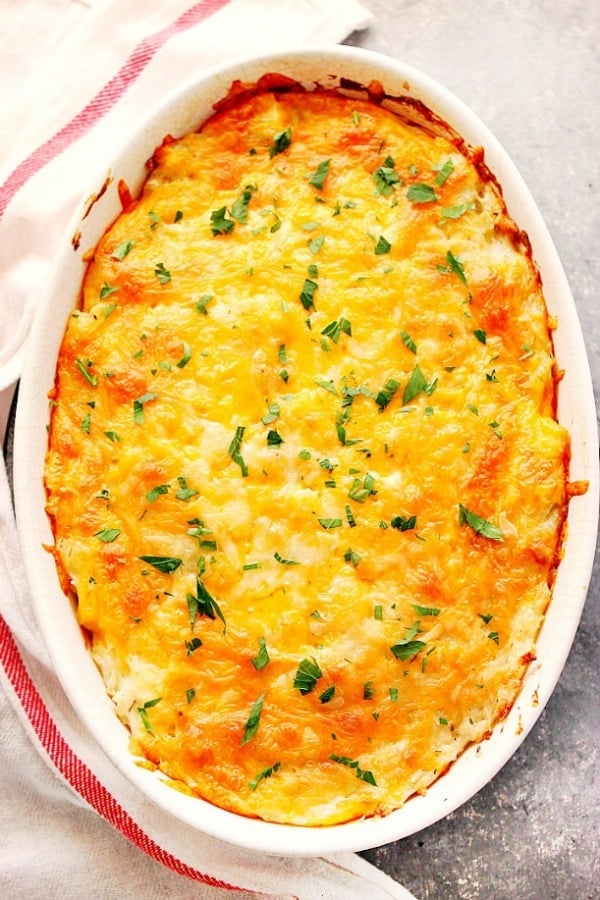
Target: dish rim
x=76 y=671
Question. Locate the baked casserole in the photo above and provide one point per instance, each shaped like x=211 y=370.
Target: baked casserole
x=305 y=478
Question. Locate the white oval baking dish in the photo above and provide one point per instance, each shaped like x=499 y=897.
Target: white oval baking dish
x=55 y=615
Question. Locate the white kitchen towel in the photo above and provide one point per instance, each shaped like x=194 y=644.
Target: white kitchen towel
x=57 y=128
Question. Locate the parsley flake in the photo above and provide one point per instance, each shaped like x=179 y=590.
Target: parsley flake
x=162 y=273
x=122 y=249
x=335 y=329
x=85 y=371
x=266 y=773
x=384 y=396
x=261 y=660
x=478 y=524
x=239 y=208
x=421 y=193
x=219 y=223
x=281 y=141
x=307 y=675
x=386 y=177
x=107 y=535
x=362 y=774
x=234 y=449
x=166 y=564
x=382 y=246
x=308 y=292
x=251 y=726
x=317 y=179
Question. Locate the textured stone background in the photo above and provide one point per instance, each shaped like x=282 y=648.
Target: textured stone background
x=531 y=72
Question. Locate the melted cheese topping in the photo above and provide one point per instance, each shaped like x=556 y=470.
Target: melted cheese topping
x=304 y=472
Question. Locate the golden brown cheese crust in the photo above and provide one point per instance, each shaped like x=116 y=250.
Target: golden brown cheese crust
x=304 y=472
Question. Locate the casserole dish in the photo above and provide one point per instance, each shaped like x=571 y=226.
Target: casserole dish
x=352 y=70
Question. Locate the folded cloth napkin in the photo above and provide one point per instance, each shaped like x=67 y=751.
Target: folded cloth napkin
x=58 y=129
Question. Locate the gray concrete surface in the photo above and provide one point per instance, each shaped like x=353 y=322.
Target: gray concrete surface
x=531 y=71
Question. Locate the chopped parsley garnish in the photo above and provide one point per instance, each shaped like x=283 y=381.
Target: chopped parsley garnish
x=493 y=636
x=143 y=712
x=86 y=422
x=203 y=604
x=239 y=208
x=308 y=292
x=426 y=610
x=408 y=341
x=445 y=172
x=184 y=493
x=122 y=249
x=352 y=557
x=478 y=524
x=382 y=246
x=360 y=490
x=107 y=535
x=154 y=219
x=351 y=523
x=266 y=773
x=234 y=449
x=368 y=690
x=417 y=384
x=274 y=439
x=404 y=523
x=284 y=561
x=328 y=385
x=273 y=414
x=328 y=694
x=335 y=329
x=84 y=369
x=193 y=645
x=315 y=246
x=487 y=617
x=281 y=141
x=362 y=774
x=187 y=355
x=162 y=273
x=405 y=650
x=219 y=223
x=386 y=177
x=318 y=177
x=454 y=266
x=408 y=647
x=262 y=657
x=307 y=675
x=190 y=694
x=384 y=396
x=106 y=290
x=330 y=523
x=166 y=564
x=138 y=407
x=421 y=193
x=455 y=212
x=156 y=492
x=202 y=303
x=251 y=726
x=480 y=335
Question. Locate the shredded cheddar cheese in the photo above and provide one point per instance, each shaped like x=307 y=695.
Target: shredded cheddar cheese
x=304 y=472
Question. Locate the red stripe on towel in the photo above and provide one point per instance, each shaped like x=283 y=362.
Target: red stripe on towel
x=105 y=99
x=76 y=772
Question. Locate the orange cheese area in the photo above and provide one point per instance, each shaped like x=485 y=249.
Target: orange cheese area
x=304 y=473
